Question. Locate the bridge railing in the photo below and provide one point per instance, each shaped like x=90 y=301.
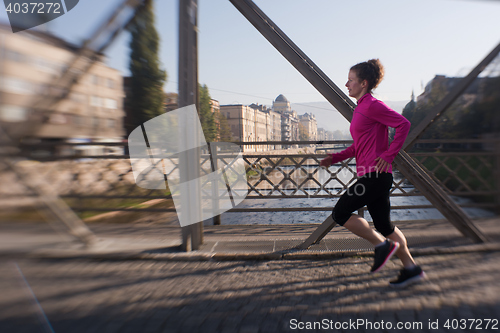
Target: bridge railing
x=98 y=177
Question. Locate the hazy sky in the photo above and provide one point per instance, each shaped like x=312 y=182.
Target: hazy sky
x=414 y=39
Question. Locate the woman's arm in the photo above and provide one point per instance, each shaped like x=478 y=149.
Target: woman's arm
x=340 y=156
x=391 y=118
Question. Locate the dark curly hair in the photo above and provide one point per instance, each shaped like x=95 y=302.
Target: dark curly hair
x=372 y=71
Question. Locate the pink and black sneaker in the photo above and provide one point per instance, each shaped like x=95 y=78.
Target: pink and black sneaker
x=408 y=276
x=383 y=253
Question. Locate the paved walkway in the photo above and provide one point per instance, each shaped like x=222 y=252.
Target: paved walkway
x=162 y=290
x=161 y=240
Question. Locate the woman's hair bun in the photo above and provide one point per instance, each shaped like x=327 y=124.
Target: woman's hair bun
x=372 y=71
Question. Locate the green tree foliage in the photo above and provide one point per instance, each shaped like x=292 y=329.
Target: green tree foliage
x=206 y=116
x=474 y=113
x=416 y=112
x=146 y=95
x=303 y=136
x=483 y=116
x=409 y=109
x=225 y=134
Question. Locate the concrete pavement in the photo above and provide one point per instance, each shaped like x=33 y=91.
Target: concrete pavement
x=161 y=241
x=247 y=296
x=136 y=280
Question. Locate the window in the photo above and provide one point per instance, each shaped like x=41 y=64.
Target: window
x=13 y=113
x=111 y=123
x=94 y=79
x=110 y=83
x=58 y=119
x=78 y=120
x=45 y=65
x=110 y=104
x=15 y=56
x=95 y=101
x=79 y=98
x=16 y=86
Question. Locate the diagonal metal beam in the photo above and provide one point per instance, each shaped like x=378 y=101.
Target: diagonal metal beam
x=451 y=97
x=296 y=57
x=84 y=58
x=405 y=164
x=52 y=206
x=89 y=51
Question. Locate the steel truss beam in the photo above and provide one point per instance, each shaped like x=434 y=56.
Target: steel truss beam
x=52 y=207
x=404 y=163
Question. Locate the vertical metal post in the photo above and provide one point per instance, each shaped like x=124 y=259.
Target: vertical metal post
x=192 y=235
x=497 y=174
x=212 y=150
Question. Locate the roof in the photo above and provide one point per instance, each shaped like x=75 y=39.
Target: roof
x=281 y=98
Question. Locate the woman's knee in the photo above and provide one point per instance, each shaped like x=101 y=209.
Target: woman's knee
x=399 y=237
x=386 y=229
x=339 y=216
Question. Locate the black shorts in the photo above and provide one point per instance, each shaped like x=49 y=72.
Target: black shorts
x=371 y=190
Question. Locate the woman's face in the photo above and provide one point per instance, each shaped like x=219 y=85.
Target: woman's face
x=356 y=88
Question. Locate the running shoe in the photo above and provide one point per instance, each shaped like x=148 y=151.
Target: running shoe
x=408 y=276
x=383 y=253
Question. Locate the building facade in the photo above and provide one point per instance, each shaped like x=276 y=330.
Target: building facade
x=273 y=123
x=289 y=119
x=241 y=120
x=281 y=104
x=29 y=63
x=308 y=120
x=253 y=123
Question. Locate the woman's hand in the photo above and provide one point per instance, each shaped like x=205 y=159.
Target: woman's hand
x=382 y=165
x=326 y=162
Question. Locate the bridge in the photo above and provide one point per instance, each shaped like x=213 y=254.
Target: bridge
x=411 y=167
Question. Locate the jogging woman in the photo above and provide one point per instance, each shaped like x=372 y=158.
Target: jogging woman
x=374 y=156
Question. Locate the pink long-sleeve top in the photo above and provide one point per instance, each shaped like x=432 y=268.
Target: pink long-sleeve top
x=370 y=132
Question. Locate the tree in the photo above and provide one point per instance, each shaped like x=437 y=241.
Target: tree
x=146 y=95
x=410 y=107
x=225 y=134
x=303 y=135
x=338 y=135
x=474 y=113
x=483 y=116
x=206 y=115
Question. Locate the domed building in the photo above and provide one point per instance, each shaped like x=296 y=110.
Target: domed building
x=289 y=119
x=281 y=104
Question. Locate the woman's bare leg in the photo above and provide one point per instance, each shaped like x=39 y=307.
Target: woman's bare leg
x=360 y=227
x=403 y=253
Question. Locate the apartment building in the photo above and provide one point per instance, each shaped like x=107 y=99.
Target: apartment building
x=241 y=120
x=252 y=123
x=273 y=123
x=29 y=62
x=289 y=119
x=308 y=120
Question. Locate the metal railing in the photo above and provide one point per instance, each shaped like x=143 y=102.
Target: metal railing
x=464 y=168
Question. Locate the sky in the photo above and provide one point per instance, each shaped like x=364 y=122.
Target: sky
x=414 y=39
